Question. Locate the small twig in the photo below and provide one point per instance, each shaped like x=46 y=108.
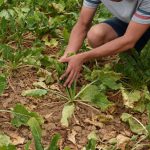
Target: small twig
x=141 y=125
x=136 y=144
x=7 y=111
x=10 y=84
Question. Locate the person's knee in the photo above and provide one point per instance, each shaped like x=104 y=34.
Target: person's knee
x=96 y=36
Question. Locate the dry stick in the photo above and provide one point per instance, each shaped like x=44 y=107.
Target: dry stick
x=145 y=137
x=136 y=145
x=141 y=125
x=10 y=84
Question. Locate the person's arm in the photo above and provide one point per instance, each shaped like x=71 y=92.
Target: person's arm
x=126 y=42
x=80 y=30
x=133 y=34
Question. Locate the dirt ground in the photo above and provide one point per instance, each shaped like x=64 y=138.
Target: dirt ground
x=85 y=120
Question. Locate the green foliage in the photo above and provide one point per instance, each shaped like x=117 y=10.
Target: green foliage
x=3 y=83
x=9 y=147
x=21 y=116
x=91 y=145
x=5 y=143
x=134 y=124
x=4 y=140
x=107 y=79
x=135 y=67
x=93 y=95
x=27 y=145
x=36 y=132
x=53 y=143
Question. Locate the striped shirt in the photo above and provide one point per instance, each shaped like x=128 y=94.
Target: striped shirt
x=126 y=10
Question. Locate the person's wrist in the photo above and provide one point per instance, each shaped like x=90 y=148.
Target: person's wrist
x=83 y=57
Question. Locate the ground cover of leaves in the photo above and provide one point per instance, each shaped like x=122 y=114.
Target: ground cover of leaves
x=85 y=120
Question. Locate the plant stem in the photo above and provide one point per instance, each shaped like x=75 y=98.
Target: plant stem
x=85 y=104
x=141 y=125
x=60 y=94
x=136 y=145
x=8 y=111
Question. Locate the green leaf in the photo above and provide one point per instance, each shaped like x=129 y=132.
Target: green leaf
x=36 y=132
x=93 y=95
x=53 y=143
x=9 y=147
x=7 y=52
x=89 y=93
x=1 y=2
x=3 y=83
x=101 y=101
x=27 y=145
x=67 y=148
x=67 y=113
x=91 y=145
x=140 y=106
x=107 y=78
x=34 y=92
x=22 y=115
x=66 y=35
x=135 y=126
x=5 y=143
x=4 y=140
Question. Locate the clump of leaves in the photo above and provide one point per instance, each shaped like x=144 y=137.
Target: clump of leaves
x=21 y=116
x=136 y=99
x=135 y=67
x=135 y=125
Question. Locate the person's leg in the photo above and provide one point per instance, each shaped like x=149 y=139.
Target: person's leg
x=106 y=31
x=100 y=34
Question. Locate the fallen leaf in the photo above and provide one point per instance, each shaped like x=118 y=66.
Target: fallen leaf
x=16 y=139
x=122 y=141
x=67 y=113
x=95 y=123
x=71 y=136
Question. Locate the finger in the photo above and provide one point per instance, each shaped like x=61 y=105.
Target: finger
x=73 y=79
x=66 y=73
x=77 y=76
x=63 y=59
x=71 y=75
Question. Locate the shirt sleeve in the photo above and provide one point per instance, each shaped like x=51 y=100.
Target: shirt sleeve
x=91 y=3
x=142 y=14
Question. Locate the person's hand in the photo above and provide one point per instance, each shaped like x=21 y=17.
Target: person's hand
x=73 y=70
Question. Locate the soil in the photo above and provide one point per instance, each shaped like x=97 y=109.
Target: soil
x=107 y=125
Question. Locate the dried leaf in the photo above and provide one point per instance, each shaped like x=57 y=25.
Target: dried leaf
x=67 y=113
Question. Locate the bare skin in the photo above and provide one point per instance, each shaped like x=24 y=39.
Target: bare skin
x=101 y=37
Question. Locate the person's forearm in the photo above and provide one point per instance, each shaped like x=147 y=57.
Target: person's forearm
x=77 y=37
x=118 y=45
